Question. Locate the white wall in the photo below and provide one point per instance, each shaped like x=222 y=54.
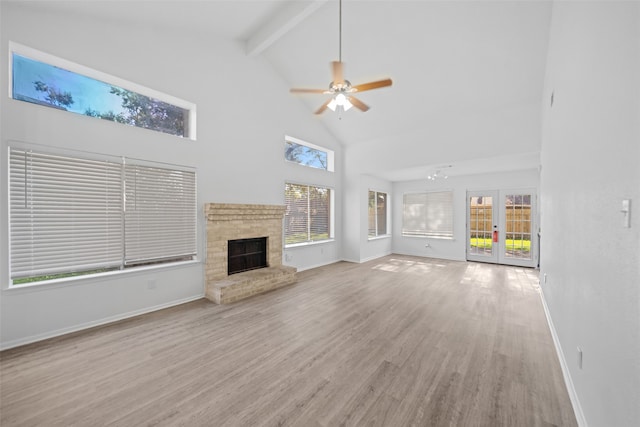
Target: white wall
x=453 y=249
x=357 y=247
x=590 y=163
x=238 y=154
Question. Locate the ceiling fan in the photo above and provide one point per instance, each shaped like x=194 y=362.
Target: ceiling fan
x=342 y=90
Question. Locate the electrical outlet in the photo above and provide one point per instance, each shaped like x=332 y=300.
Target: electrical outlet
x=544 y=277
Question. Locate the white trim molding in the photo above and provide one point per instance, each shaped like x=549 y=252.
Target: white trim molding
x=573 y=396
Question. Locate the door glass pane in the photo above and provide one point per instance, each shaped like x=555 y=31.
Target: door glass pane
x=518 y=222
x=480 y=225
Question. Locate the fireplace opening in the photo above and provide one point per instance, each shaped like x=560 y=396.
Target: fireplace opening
x=246 y=254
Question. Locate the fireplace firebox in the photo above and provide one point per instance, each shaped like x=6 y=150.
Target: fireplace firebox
x=246 y=254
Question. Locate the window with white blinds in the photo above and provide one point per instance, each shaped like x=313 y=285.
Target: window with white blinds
x=67 y=215
x=159 y=214
x=308 y=215
x=428 y=214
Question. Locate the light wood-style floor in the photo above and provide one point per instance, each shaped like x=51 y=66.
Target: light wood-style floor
x=398 y=341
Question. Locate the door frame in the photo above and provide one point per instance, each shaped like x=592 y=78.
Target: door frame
x=499 y=224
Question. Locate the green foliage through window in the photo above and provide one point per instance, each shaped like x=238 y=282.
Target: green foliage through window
x=308 y=214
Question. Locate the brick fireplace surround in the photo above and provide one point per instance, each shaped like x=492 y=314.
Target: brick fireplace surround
x=233 y=221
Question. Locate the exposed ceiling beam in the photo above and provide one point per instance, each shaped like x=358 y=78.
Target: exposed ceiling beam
x=291 y=15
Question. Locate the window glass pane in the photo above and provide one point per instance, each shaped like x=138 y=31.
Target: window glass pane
x=67 y=216
x=305 y=156
x=372 y=214
x=44 y=84
x=319 y=205
x=428 y=214
x=296 y=218
x=159 y=214
x=308 y=214
x=381 y=213
x=518 y=221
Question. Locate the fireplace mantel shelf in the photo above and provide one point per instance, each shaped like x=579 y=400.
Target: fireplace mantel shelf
x=234 y=212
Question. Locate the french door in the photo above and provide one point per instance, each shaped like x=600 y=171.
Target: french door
x=501 y=227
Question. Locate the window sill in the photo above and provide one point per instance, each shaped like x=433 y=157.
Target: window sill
x=429 y=237
x=303 y=244
x=78 y=280
x=384 y=236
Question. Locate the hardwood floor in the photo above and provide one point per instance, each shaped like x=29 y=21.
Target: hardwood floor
x=398 y=341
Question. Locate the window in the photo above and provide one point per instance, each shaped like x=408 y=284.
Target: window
x=73 y=215
x=309 y=214
x=44 y=79
x=307 y=154
x=428 y=214
x=377 y=213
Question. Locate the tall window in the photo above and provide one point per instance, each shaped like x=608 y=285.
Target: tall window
x=377 y=213
x=428 y=214
x=307 y=154
x=44 y=79
x=73 y=215
x=309 y=214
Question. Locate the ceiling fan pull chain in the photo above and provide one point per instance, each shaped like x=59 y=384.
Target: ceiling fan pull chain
x=340 y=32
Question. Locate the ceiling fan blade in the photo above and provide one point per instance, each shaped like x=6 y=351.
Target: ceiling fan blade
x=358 y=104
x=338 y=77
x=373 y=85
x=297 y=90
x=323 y=107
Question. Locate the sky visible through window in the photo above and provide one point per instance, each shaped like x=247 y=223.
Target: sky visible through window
x=45 y=84
x=304 y=155
x=87 y=93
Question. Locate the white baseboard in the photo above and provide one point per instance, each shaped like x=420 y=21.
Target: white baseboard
x=104 y=321
x=575 y=402
x=309 y=267
x=360 y=261
x=431 y=256
x=371 y=258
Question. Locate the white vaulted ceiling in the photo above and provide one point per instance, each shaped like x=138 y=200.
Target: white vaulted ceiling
x=454 y=64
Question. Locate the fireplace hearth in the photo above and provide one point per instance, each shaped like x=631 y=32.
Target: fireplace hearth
x=237 y=266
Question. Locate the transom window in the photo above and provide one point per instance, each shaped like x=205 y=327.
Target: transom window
x=74 y=215
x=44 y=79
x=307 y=154
x=378 y=208
x=428 y=214
x=309 y=214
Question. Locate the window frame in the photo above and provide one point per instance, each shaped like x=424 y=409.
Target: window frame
x=98 y=271
x=330 y=153
x=376 y=235
x=330 y=223
x=426 y=233
x=76 y=68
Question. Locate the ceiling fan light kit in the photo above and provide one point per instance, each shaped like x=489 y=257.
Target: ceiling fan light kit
x=340 y=89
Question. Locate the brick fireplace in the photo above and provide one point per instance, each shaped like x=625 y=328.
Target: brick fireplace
x=230 y=222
